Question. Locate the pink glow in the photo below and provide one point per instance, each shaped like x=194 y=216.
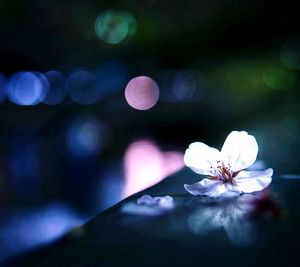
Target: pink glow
x=142 y=93
x=145 y=165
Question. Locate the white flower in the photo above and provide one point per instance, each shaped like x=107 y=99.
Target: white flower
x=225 y=169
x=149 y=206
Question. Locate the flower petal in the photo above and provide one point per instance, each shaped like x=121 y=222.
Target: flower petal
x=200 y=157
x=239 y=150
x=149 y=206
x=231 y=191
x=208 y=187
x=252 y=181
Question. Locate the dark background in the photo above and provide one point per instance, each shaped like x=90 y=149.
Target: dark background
x=236 y=62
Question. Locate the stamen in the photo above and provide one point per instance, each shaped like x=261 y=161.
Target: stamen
x=222 y=172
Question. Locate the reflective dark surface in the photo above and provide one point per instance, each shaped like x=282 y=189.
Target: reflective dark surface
x=258 y=229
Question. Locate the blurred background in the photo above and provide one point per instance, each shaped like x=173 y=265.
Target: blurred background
x=99 y=99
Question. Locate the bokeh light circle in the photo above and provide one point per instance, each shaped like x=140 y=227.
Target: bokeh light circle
x=188 y=85
x=181 y=86
x=86 y=136
x=145 y=165
x=82 y=86
x=290 y=54
x=279 y=78
x=111 y=77
x=57 y=89
x=113 y=26
x=142 y=93
x=27 y=88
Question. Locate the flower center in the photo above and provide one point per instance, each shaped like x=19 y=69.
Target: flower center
x=222 y=172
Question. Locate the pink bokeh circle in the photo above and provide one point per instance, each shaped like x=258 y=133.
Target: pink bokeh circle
x=142 y=93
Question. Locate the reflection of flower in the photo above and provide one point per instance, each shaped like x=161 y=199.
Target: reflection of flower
x=149 y=206
x=225 y=169
x=231 y=214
